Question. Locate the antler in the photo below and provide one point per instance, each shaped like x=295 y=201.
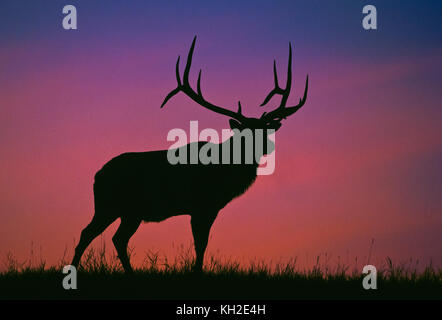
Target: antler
x=198 y=96
x=282 y=112
x=272 y=118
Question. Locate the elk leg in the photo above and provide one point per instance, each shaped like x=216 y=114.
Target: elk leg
x=92 y=230
x=200 y=229
x=121 y=238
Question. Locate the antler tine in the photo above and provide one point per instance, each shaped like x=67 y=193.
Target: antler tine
x=198 y=84
x=178 y=79
x=278 y=90
x=291 y=110
x=288 y=85
x=282 y=113
x=185 y=87
x=188 y=64
x=239 y=107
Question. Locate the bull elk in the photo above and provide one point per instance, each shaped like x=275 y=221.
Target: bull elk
x=144 y=186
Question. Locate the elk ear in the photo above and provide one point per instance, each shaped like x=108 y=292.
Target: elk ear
x=235 y=125
x=278 y=126
x=275 y=126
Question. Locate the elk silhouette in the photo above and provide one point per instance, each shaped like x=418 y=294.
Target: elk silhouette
x=145 y=186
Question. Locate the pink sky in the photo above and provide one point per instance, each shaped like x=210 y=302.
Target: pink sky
x=361 y=160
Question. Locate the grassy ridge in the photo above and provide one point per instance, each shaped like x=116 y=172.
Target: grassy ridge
x=101 y=277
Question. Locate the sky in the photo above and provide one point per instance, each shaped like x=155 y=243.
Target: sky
x=361 y=160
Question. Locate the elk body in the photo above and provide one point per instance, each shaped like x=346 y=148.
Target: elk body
x=144 y=186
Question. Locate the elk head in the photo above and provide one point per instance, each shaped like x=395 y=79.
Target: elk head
x=269 y=121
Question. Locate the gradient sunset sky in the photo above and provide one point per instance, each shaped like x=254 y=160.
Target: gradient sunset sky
x=362 y=160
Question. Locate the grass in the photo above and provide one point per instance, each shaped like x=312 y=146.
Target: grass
x=100 y=277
